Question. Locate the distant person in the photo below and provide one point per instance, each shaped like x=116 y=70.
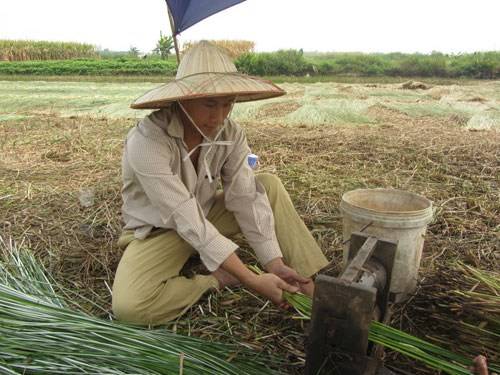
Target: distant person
x=173 y=163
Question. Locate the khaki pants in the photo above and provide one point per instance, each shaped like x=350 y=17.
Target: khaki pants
x=148 y=288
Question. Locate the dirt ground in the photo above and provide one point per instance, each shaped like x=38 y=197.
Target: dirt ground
x=47 y=160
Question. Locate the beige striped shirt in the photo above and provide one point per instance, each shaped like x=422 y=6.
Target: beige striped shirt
x=161 y=190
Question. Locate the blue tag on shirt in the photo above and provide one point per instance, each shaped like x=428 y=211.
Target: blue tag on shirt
x=252 y=160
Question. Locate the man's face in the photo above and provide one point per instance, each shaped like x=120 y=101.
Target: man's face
x=208 y=113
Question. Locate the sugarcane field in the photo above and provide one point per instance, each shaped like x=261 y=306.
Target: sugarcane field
x=207 y=208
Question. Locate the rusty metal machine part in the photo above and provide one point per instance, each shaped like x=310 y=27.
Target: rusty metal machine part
x=373 y=275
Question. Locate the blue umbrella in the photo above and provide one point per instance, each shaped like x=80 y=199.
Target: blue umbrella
x=185 y=13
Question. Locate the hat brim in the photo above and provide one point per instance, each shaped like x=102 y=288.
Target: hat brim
x=202 y=85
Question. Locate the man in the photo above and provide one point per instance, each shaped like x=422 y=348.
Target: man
x=172 y=164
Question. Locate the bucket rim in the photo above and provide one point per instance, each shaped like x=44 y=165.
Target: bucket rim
x=427 y=210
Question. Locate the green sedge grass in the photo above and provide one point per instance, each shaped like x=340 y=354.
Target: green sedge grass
x=40 y=334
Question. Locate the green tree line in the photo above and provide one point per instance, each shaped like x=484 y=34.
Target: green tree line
x=484 y=65
x=480 y=65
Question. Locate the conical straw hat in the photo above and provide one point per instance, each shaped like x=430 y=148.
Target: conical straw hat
x=206 y=71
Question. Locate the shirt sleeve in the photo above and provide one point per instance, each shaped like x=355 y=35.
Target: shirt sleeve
x=179 y=209
x=246 y=198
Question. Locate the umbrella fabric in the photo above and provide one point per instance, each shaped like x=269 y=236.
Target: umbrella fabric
x=188 y=12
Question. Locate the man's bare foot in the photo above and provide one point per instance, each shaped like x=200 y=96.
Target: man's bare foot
x=307 y=288
x=225 y=278
x=480 y=365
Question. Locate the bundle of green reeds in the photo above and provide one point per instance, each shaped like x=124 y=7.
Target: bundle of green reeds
x=40 y=334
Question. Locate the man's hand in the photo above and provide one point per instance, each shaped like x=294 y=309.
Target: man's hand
x=268 y=285
x=272 y=287
x=280 y=269
x=286 y=273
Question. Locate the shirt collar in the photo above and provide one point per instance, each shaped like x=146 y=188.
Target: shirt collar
x=171 y=123
x=167 y=120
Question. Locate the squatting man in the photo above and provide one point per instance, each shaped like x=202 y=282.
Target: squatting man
x=173 y=162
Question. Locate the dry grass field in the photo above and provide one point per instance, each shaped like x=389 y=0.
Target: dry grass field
x=60 y=138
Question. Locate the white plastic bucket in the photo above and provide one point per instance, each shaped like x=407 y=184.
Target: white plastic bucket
x=391 y=214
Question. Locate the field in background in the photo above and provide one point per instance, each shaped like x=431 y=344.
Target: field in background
x=322 y=139
x=52 y=58
x=475 y=105
x=276 y=79
x=25 y=50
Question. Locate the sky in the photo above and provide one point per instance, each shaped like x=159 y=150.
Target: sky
x=451 y=26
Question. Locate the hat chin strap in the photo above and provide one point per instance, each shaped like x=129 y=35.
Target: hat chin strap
x=208 y=142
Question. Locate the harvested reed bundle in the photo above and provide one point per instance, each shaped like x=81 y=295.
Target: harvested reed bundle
x=40 y=334
x=413 y=347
